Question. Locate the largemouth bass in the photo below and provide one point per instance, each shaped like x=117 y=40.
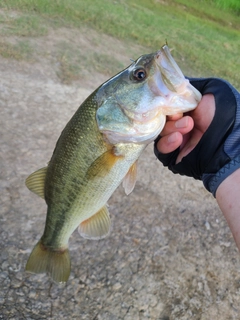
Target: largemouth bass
x=98 y=150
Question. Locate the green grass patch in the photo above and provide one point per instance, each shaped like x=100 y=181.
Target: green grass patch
x=22 y=50
x=69 y=59
x=205 y=38
x=23 y=25
x=100 y=63
x=26 y=26
x=233 y=5
x=72 y=62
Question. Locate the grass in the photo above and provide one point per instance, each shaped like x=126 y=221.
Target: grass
x=71 y=60
x=233 y=5
x=206 y=42
x=21 y=50
x=26 y=26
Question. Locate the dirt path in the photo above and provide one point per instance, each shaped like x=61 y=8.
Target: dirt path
x=170 y=254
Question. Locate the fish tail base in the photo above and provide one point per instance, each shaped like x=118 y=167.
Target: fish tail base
x=56 y=263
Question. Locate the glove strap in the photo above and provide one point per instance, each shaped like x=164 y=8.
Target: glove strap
x=212 y=181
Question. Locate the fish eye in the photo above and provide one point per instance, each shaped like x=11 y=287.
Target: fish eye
x=139 y=74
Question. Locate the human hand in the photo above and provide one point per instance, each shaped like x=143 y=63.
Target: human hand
x=181 y=132
x=207 y=139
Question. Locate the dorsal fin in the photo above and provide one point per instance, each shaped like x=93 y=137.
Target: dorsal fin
x=36 y=181
x=96 y=227
x=130 y=179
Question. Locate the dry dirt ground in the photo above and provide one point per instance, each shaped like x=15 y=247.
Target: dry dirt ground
x=170 y=254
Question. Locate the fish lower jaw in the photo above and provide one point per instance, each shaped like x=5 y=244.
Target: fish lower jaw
x=140 y=132
x=186 y=90
x=180 y=104
x=169 y=111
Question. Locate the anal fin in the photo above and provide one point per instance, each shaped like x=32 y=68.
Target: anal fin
x=96 y=227
x=36 y=181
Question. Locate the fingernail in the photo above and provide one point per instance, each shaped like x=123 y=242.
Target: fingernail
x=172 y=138
x=182 y=123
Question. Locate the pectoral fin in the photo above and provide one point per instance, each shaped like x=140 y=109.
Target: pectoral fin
x=96 y=227
x=129 y=180
x=36 y=181
x=103 y=164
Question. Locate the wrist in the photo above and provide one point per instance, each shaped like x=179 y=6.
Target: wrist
x=227 y=197
x=229 y=186
x=213 y=181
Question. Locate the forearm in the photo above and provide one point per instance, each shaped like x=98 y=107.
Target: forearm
x=228 y=198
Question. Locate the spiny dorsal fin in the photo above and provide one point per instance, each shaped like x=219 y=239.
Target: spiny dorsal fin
x=130 y=179
x=96 y=227
x=36 y=181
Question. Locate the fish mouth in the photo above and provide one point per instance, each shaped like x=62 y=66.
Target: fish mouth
x=171 y=74
x=171 y=92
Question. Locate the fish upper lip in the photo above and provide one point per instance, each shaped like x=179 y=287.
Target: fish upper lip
x=171 y=74
x=165 y=52
x=170 y=71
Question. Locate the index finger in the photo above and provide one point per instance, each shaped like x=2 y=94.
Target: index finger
x=175 y=117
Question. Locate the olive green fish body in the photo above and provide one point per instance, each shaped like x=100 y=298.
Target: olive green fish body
x=80 y=178
x=98 y=149
x=79 y=174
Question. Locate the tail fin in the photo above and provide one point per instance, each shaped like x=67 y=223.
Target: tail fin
x=55 y=263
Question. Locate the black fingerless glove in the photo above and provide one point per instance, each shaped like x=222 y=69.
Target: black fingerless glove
x=217 y=154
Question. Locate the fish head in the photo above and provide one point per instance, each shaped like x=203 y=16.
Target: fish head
x=133 y=105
